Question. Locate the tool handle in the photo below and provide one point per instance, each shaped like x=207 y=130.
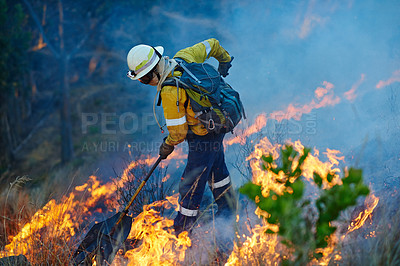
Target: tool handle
x=125 y=211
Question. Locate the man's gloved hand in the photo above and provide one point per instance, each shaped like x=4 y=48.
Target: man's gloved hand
x=224 y=67
x=165 y=149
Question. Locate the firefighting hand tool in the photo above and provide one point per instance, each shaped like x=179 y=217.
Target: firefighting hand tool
x=104 y=239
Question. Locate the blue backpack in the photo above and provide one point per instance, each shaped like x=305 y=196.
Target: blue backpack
x=215 y=103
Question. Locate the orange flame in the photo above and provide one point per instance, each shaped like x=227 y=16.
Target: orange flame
x=93 y=64
x=154 y=233
x=159 y=245
x=351 y=94
x=394 y=78
x=371 y=234
x=371 y=202
x=59 y=220
x=324 y=97
x=62 y=220
x=259 y=247
x=165 y=178
x=41 y=44
x=264 y=247
x=311 y=164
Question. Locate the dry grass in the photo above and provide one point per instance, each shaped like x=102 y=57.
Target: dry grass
x=14 y=209
x=378 y=242
x=52 y=245
x=154 y=190
x=38 y=232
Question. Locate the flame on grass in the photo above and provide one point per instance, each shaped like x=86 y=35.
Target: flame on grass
x=154 y=233
x=311 y=164
x=178 y=155
x=351 y=94
x=260 y=247
x=257 y=249
x=61 y=219
x=324 y=97
x=370 y=203
x=394 y=78
x=158 y=243
x=53 y=226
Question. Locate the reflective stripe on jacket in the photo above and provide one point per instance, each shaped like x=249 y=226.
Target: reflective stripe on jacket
x=177 y=117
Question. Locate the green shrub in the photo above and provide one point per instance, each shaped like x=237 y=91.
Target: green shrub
x=304 y=236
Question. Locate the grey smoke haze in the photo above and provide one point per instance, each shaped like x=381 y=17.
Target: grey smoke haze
x=284 y=51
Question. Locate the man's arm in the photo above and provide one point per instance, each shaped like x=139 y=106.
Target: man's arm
x=201 y=51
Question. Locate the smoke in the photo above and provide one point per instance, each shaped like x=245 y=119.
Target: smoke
x=285 y=54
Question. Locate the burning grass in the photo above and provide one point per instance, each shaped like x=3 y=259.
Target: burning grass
x=377 y=241
x=158 y=243
x=51 y=234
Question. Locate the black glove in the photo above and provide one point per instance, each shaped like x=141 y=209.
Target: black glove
x=165 y=149
x=224 y=67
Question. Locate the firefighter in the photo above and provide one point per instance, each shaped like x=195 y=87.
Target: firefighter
x=205 y=162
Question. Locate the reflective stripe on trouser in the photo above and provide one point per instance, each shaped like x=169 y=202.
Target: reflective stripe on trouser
x=205 y=163
x=187 y=212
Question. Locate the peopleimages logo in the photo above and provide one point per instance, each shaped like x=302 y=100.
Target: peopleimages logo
x=280 y=125
x=113 y=123
x=130 y=123
x=141 y=147
x=137 y=147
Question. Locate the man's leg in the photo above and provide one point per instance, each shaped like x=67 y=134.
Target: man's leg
x=221 y=185
x=192 y=185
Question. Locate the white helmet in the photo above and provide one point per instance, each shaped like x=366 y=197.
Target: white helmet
x=142 y=59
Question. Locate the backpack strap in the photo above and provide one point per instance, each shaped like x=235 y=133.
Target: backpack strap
x=182 y=65
x=159 y=99
x=169 y=82
x=176 y=82
x=177 y=93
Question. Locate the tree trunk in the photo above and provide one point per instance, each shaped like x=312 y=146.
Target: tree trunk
x=15 y=118
x=7 y=157
x=67 y=151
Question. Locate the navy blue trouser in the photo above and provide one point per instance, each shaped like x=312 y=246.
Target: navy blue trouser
x=205 y=163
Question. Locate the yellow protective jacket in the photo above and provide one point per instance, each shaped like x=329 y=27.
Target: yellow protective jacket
x=179 y=119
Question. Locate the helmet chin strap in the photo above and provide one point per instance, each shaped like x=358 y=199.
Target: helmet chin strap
x=157 y=53
x=159 y=60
